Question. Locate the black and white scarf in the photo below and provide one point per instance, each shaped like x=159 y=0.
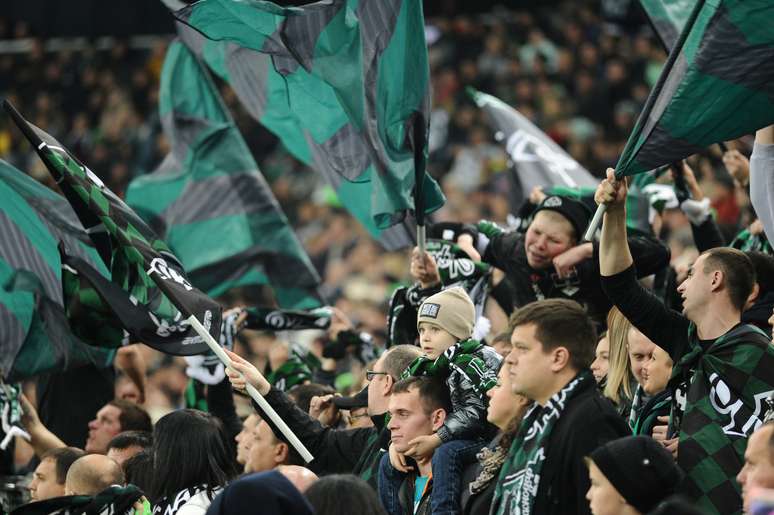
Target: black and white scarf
x=170 y=506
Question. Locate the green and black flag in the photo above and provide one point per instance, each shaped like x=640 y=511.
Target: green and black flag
x=339 y=83
x=717 y=85
x=668 y=18
x=148 y=291
x=535 y=159
x=209 y=202
x=36 y=335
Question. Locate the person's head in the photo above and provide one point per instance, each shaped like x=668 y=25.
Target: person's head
x=554 y=229
x=504 y=405
x=331 y=493
x=138 y=470
x=619 y=373
x=445 y=319
x=656 y=371
x=90 y=474
x=302 y=394
x=502 y=344
x=267 y=451
x=190 y=448
x=301 y=477
x=640 y=349
x=385 y=373
x=418 y=407
x=48 y=479
x=553 y=340
x=114 y=417
x=269 y=493
x=764 y=275
x=128 y=443
x=244 y=439
x=601 y=363
x=630 y=475
x=719 y=278
x=358 y=418
x=758 y=469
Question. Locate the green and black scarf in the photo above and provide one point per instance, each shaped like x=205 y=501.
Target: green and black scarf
x=519 y=479
x=720 y=399
x=461 y=357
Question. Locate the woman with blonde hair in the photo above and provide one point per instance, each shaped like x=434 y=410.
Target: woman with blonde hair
x=621 y=383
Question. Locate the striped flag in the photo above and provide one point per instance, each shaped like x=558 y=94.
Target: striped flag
x=35 y=336
x=148 y=290
x=340 y=83
x=668 y=18
x=717 y=85
x=209 y=202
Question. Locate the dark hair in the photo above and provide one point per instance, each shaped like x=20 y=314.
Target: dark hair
x=433 y=393
x=132 y=417
x=738 y=273
x=302 y=394
x=505 y=336
x=126 y=439
x=330 y=495
x=676 y=505
x=139 y=470
x=63 y=457
x=764 y=270
x=190 y=448
x=560 y=323
x=398 y=358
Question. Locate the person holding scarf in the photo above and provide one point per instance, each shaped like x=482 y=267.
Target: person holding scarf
x=545 y=473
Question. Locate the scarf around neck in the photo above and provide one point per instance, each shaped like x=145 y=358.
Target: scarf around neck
x=170 y=506
x=461 y=357
x=519 y=479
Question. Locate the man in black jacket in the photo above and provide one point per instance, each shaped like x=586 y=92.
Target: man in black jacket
x=355 y=451
x=544 y=473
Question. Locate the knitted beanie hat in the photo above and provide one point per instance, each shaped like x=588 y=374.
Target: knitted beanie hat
x=642 y=471
x=451 y=310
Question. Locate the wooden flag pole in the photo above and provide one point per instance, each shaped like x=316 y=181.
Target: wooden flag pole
x=252 y=392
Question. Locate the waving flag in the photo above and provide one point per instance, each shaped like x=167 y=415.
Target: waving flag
x=668 y=18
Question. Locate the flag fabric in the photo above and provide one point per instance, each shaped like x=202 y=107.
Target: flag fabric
x=341 y=83
x=35 y=334
x=148 y=290
x=717 y=85
x=536 y=159
x=668 y=18
x=209 y=202
x=268 y=319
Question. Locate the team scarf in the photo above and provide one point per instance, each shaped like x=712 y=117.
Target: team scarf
x=720 y=399
x=462 y=357
x=170 y=506
x=638 y=402
x=115 y=500
x=296 y=370
x=519 y=479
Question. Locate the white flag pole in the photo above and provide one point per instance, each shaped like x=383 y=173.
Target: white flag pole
x=252 y=392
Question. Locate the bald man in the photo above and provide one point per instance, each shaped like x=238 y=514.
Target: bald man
x=301 y=477
x=91 y=474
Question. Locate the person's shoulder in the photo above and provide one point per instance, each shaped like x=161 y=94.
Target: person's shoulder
x=591 y=408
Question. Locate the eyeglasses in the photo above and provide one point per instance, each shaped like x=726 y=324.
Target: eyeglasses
x=371 y=373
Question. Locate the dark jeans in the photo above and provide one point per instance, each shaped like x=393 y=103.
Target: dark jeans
x=448 y=462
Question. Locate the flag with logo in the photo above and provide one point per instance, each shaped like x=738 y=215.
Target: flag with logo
x=717 y=85
x=35 y=334
x=536 y=159
x=340 y=83
x=147 y=290
x=209 y=202
x=668 y=18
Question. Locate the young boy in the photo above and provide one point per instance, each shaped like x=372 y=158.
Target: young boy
x=445 y=323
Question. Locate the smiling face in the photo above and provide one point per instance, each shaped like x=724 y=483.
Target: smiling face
x=601 y=363
x=656 y=371
x=640 y=348
x=434 y=340
x=548 y=235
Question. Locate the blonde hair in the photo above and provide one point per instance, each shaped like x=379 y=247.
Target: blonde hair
x=619 y=375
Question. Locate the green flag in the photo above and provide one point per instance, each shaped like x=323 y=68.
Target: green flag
x=668 y=18
x=340 y=83
x=208 y=200
x=718 y=84
x=35 y=335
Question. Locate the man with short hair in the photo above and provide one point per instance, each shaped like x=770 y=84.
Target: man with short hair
x=758 y=469
x=268 y=452
x=128 y=443
x=48 y=479
x=355 y=451
x=91 y=474
x=418 y=407
x=545 y=473
x=244 y=439
x=722 y=367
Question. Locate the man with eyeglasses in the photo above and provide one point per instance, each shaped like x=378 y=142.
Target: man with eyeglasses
x=337 y=451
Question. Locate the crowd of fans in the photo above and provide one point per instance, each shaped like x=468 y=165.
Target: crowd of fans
x=426 y=395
